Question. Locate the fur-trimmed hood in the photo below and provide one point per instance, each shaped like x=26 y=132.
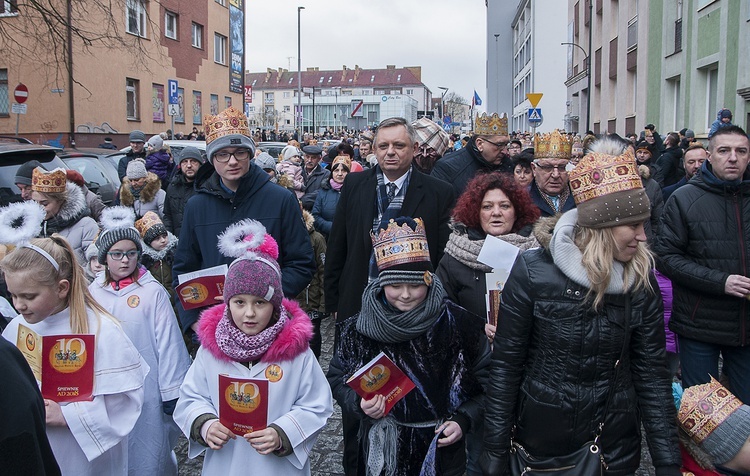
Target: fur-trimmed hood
x=293 y=339
x=157 y=255
x=70 y=212
x=543 y=229
x=148 y=192
x=309 y=221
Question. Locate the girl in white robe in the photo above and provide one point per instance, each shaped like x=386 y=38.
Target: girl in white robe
x=49 y=290
x=141 y=304
x=257 y=334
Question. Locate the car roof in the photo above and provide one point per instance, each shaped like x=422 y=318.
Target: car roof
x=31 y=151
x=198 y=144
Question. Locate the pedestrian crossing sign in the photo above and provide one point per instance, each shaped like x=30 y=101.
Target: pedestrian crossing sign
x=535 y=116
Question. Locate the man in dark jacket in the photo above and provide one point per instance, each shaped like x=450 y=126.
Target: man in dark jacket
x=549 y=190
x=137 y=151
x=313 y=174
x=486 y=151
x=668 y=164
x=703 y=247
x=692 y=161
x=230 y=189
x=181 y=188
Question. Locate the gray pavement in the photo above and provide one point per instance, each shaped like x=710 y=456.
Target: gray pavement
x=325 y=459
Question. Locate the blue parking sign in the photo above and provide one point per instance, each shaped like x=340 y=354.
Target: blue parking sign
x=172 y=85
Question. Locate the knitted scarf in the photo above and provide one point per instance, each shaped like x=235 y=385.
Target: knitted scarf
x=379 y=321
x=463 y=246
x=241 y=347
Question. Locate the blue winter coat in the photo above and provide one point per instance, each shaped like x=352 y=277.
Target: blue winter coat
x=160 y=163
x=325 y=208
x=212 y=209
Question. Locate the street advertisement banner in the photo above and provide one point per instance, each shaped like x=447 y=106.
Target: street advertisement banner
x=157 y=101
x=180 y=117
x=214 y=104
x=197 y=108
x=236 y=46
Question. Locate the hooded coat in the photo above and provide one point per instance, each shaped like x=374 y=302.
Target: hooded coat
x=159 y=263
x=73 y=222
x=704 y=238
x=213 y=208
x=150 y=199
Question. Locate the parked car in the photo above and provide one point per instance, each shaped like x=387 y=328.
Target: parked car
x=272 y=148
x=12 y=156
x=98 y=171
x=14 y=140
x=176 y=146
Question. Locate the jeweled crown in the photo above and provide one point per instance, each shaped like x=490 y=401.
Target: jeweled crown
x=149 y=220
x=493 y=125
x=553 y=145
x=229 y=121
x=400 y=244
x=598 y=174
x=48 y=182
x=704 y=407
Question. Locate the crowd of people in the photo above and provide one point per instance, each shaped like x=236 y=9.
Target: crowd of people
x=625 y=310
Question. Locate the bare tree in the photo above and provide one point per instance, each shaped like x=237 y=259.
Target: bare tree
x=456 y=106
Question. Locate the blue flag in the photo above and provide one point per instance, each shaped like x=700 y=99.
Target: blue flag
x=476 y=100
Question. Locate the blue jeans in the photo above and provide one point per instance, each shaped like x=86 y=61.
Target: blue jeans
x=700 y=360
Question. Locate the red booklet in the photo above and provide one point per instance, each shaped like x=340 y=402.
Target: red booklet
x=243 y=404
x=201 y=288
x=381 y=376
x=68 y=367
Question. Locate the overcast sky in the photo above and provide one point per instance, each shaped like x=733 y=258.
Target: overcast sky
x=447 y=38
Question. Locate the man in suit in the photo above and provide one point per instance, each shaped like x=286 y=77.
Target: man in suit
x=368 y=199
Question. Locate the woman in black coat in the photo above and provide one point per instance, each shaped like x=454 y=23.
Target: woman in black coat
x=580 y=316
x=328 y=196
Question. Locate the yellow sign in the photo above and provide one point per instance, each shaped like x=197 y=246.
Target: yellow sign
x=534 y=98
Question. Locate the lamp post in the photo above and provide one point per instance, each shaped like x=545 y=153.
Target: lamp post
x=442 y=102
x=336 y=110
x=298 y=115
x=587 y=62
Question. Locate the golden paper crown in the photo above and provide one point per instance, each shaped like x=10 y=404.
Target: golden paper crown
x=400 y=244
x=704 y=407
x=342 y=159
x=144 y=224
x=553 y=146
x=229 y=121
x=48 y=182
x=493 y=125
x=597 y=175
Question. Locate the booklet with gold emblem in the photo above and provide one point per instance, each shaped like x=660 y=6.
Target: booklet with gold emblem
x=64 y=364
x=201 y=288
x=381 y=376
x=243 y=404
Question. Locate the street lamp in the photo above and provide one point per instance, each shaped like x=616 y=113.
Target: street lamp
x=298 y=115
x=587 y=62
x=336 y=90
x=442 y=103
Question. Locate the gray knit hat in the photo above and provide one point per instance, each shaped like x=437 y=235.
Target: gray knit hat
x=23 y=174
x=156 y=142
x=137 y=136
x=191 y=152
x=118 y=223
x=265 y=161
x=136 y=169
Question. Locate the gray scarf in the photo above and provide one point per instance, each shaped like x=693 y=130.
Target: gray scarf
x=466 y=250
x=380 y=322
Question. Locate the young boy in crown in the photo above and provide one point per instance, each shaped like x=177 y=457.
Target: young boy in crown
x=159 y=246
x=438 y=344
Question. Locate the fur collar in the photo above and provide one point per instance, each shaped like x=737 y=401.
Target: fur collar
x=157 y=255
x=309 y=221
x=543 y=229
x=148 y=192
x=70 y=212
x=293 y=340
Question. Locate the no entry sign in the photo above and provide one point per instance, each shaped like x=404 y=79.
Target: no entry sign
x=21 y=93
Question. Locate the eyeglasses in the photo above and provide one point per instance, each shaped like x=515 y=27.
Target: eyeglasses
x=549 y=168
x=239 y=154
x=501 y=145
x=119 y=255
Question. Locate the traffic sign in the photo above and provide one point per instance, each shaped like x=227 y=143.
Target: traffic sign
x=357 y=110
x=534 y=98
x=535 y=117
x=447 y=120
x=173 y=97
x=21 y=93
x=249 y=94
x=173 y=109
x=18 y=108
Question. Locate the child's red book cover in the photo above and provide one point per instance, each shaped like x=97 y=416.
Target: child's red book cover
x=381 y=376
x=243 y=404
x=200 y=292
x=68 y=367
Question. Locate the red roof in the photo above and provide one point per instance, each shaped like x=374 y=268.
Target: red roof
x=346 y=78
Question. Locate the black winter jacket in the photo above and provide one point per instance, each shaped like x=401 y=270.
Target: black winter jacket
x=704 y=238
x=668 y=167
x=458 y=167
x=552 y=363
x=313 y=181
x=178 y=192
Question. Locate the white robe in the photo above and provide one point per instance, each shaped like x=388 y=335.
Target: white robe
x=96 y=438
x=300 y=404
x=149 y=321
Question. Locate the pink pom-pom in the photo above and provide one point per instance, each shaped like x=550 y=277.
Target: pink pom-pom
x=269 y=247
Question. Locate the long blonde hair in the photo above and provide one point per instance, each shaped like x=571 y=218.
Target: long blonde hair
x=598 y=248
x=40 y=270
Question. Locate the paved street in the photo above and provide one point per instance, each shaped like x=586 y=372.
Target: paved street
x=326 y=456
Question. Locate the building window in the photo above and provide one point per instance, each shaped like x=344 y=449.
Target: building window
x=409 y=92
x=269 y=98
x=633 y=33
x=131 y=98
x=197 y=36
x=712 y=95
x=136 y=13
x=220 y=49
x=170 y=25
x=223 y=3
x=250 y=108
x=287 y=94
x=4 y=98
x=8 y=7
x=287 y=108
